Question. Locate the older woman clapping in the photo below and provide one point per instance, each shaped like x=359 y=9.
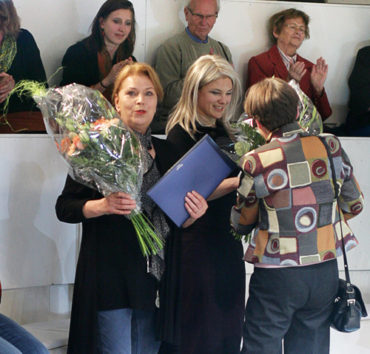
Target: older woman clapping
x=287 y=30
x=116 y=287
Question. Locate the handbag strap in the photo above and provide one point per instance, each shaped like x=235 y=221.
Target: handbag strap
x=336 y=189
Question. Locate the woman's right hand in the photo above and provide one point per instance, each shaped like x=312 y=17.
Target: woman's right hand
x=116 y=68
x=116 y=203
x=196 y=206
x=6 y=85
x=297 y=71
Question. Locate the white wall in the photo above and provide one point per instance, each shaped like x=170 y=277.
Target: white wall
x=35 y=249
x=337 y=32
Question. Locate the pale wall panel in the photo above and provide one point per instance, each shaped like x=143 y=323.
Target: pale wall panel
x=35 y=248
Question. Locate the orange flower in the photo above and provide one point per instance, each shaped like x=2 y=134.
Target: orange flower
x=100 y=122
x=77 y=142
x=64 y=144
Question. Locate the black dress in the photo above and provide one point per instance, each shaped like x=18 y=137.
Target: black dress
x=111 y=271
x=212 y=274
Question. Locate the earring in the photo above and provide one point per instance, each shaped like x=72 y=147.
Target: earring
x=102 y=31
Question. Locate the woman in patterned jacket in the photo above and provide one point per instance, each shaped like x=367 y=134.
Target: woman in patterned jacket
x=287 y=195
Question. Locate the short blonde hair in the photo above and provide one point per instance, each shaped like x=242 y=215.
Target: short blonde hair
x=137 y=69
x=204 y=70
x=9 y=20
x=273 y=102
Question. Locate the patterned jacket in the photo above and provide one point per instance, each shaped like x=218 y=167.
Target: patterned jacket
x=287 y=194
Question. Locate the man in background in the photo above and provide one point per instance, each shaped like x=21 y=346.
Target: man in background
x=178 y=53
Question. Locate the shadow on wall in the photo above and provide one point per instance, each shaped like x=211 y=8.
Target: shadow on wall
x=30 y=257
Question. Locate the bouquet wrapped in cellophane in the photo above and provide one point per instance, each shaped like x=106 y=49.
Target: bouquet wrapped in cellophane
x=101 y=151
x=247 y=137
x=308 y=116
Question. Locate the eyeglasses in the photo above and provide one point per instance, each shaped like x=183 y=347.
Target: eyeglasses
x=296 y=28
x=200 y=17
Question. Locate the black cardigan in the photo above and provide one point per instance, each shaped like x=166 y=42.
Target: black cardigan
x=80 y=65
x=27 y=65
x=111 y=271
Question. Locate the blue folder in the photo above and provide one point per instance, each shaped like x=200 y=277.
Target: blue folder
x=201 y=169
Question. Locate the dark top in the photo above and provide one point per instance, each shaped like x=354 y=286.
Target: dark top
x=212 y=275
x=111 y=271
x=359 y=86
x=27 y=65
x=80 y=65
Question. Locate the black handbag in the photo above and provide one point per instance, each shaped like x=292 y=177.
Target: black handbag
x=348 y=308
x=348 y=304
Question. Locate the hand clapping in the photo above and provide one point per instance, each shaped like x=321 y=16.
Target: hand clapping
x=297 y=71
x=116 y=68
x=318 y=75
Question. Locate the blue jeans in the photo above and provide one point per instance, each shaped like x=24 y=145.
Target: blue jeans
x=14 y=339
x=127 y=331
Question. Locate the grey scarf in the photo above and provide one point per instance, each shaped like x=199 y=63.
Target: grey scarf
x=155 y=214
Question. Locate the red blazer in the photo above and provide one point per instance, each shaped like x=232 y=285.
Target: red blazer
x=270 y=64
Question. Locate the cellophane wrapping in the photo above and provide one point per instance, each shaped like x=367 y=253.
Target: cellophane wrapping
x=100 y=150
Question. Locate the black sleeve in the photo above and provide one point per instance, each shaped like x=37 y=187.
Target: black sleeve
x=80 y=66
x=359 y=82
x=180 y=140
x=70 y=203
x=31 y=67
x=27 y=65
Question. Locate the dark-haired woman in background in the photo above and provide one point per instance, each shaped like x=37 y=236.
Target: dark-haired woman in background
x=19 y=59
x=96 y=60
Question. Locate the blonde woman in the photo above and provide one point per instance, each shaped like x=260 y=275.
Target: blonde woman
x=212 y=275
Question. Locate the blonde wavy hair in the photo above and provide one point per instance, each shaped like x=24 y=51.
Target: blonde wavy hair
x=204 y=70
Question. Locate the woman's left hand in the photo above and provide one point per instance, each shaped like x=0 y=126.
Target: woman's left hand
x=6 y=85
x=318 y=75
x=196 y=206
